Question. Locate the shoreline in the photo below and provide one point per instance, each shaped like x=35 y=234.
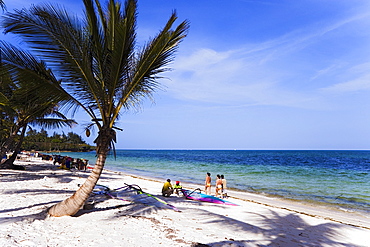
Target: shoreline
x=340 y=193
x=354 y=218
x=258 y=220
x=272 y=197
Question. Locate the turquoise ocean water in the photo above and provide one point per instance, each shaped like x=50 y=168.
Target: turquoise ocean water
x=337 y=178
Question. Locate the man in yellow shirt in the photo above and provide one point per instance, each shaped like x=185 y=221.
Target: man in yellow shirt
x=167 y=189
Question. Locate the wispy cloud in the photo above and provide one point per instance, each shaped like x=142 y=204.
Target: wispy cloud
x=226 y=78
x=358 y=80
x=325 y=71
x=300 y=38
x=257 y=73
x=356 y=85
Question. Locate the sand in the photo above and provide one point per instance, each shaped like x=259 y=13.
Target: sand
x=25 y=197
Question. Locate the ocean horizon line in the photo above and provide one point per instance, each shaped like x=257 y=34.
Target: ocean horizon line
x=231 y=149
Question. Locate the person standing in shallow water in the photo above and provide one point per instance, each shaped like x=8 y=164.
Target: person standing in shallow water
x=224 y=193
x=207 y=188
x=218 y=185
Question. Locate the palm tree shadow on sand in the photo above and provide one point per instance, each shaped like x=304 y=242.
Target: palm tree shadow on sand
x=288 y=231
x=279 y=230
x=39 y=215
x=98 y=203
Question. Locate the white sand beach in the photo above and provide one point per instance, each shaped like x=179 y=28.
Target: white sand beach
x=257 y=221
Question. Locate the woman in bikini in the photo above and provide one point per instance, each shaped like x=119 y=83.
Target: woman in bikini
x=207 y=188
x=218 y=185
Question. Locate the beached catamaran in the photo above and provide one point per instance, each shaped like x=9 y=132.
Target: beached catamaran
x=198 y=196
x=133 y=193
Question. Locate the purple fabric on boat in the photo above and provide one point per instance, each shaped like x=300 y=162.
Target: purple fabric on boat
x=195 y=195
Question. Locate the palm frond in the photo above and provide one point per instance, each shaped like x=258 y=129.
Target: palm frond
x=60 y=39
x=3 y=99
x=51 y=123
x=5 y=104
x=155 y=56
x=30 y=73
x=2 y=5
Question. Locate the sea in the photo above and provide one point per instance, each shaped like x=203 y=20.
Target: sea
x=339 y=179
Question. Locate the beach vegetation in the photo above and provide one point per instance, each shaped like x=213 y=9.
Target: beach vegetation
x=22 y=106
x=100 y=67
x=41 y=141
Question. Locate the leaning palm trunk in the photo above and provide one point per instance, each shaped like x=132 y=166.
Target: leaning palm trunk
x=9 y=163
x=73 y=204
x=9 y=142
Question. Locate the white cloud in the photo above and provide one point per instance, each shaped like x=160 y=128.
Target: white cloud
x=357 y=79
x=358 y=84
x=301 y=38
x=227 y=79
x=263 y=74
x=325 y=71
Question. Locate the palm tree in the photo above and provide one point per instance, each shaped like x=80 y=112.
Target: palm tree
x=19 y=72
x=100 y=66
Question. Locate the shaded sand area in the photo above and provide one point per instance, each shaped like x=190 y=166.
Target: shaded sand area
x=258 y=221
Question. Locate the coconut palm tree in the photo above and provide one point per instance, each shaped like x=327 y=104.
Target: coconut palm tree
x=100 y=66
x=19 y=72
x=45 y=115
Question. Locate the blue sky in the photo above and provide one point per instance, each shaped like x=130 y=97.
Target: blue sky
x=261 y=74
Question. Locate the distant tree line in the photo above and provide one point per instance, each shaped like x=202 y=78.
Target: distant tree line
x=41 y=141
